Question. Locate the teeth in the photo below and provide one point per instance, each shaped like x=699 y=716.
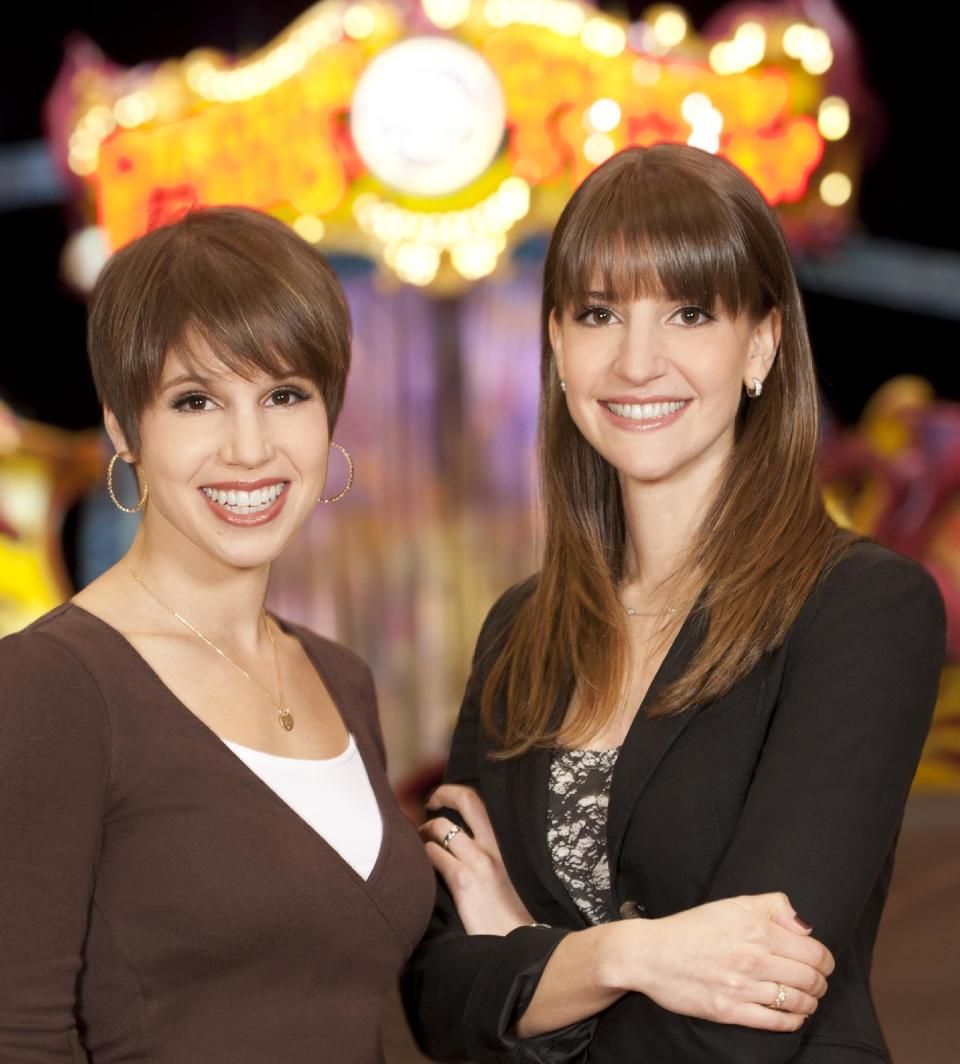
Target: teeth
x=245 y=502
x=644 y=411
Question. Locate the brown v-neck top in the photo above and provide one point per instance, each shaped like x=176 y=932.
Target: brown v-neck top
x=158 y=895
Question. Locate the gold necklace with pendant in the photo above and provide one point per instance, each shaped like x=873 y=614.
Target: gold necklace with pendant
x=284 y=715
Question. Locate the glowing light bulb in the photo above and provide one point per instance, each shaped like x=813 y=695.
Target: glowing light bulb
x=359 y=22
x=604 y=115
x=475 y=258
x=446 y=13
x=833 y=119
x=670 y=27
x=817 y=57
x=565 y=18
x=514 y=195
x=695 y=106
x=604 y=37
x=795 y=39
x=416 y=263
x=706 y=122
x=835 y=189
x=310 y=227
x=598 y=147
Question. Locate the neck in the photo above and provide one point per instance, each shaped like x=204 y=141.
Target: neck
x=224 y=602
x=662 y=521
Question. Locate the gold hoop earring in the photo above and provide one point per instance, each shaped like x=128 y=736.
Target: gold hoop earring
x=349 y=485
x=116 y=502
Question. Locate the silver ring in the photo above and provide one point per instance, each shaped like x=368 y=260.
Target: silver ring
x=445 y=841
x=780 y=998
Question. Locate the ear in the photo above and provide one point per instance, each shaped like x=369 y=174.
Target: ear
x=117 y=438
x=764 y=346
x=556 y=341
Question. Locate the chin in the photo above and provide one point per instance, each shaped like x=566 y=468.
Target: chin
x=243 y=548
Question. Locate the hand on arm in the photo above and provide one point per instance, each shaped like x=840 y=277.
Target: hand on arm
x=722 y=962
x=472 y=867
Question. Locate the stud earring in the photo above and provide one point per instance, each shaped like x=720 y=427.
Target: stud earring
x=563 y=386
x=350 y=470
x=757 y=388
x=116 y=502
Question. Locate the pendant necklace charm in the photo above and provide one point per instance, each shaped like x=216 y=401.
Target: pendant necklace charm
x=286 y=719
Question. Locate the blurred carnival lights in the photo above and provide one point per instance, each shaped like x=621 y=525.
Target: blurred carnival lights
x=468 y=161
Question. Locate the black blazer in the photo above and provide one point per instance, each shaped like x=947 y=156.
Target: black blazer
x=794 y=781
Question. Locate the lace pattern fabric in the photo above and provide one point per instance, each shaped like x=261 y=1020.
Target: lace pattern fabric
x=579 y=794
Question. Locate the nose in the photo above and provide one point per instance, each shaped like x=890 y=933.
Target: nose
x=641 y=355
x=246 y=441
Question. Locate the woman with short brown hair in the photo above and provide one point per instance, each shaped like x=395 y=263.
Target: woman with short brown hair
x=202 y=859
x=702 y=716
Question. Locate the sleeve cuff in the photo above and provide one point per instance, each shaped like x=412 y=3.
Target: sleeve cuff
x=504 y=987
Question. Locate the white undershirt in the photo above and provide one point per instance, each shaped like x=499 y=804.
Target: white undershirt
x=333 y=795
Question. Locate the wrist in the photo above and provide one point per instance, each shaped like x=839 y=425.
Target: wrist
x=624 y=955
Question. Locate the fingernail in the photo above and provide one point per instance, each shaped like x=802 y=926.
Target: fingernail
x=802 y=923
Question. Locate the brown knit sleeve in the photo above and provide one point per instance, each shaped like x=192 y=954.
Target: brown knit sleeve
x=54 y=772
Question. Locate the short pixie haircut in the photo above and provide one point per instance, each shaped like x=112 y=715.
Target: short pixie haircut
x=258 y=294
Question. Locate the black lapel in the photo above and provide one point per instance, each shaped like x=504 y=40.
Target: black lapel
x=530 y=780
x=649 y=739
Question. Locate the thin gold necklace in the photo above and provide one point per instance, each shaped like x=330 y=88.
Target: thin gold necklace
x=631 y=612
x=284 y=714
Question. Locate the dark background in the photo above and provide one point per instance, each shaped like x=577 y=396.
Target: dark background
x=908 y=193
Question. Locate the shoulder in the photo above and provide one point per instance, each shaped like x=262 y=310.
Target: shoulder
x=502 y=614
x=868 y=575
x=60 y=642
x=871 y=592
x=341 y=665
x=334 y=658
x=49 y=672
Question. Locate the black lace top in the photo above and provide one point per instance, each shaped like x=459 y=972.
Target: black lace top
x=579 y=792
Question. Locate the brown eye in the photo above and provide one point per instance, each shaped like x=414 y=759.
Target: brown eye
x=691 y=316
x=287 y=396
x=595 y=316
x=194 y=403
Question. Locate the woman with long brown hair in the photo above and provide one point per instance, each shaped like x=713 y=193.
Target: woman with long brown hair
x=702 y=716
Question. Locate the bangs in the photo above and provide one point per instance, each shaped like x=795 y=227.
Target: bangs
x=652 y=231
x=251 y=318
x=235 y=312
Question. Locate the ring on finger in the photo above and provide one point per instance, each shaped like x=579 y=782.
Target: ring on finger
x=778 y=1001
x=445 y=841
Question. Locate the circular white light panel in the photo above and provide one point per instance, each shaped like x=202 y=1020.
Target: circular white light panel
x=428 y=116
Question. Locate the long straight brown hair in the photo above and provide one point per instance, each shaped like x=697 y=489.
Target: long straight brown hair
x=674 y=221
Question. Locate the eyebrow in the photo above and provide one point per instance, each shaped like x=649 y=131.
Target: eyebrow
x=188 y=378
x=209 y=382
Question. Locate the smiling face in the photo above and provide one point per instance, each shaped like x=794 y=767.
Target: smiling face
x=654 y=384
x=234 y=464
